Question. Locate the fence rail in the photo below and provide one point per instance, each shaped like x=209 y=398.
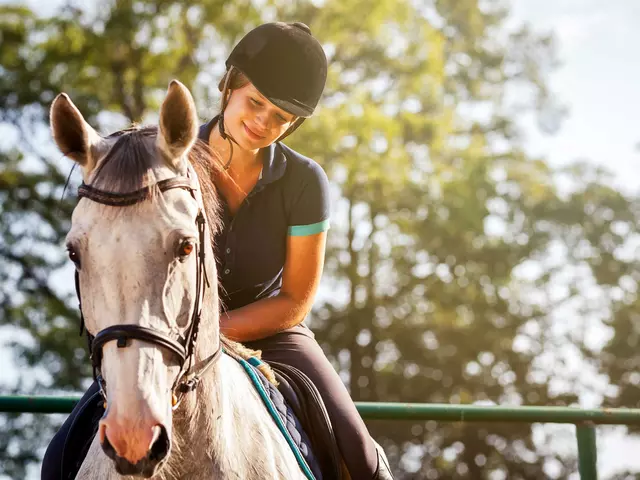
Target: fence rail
x=584 y=419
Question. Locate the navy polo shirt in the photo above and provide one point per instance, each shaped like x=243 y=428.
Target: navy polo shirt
x=291 y=198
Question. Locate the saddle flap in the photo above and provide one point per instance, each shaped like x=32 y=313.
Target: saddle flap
x=81 y=432
x=305 y=400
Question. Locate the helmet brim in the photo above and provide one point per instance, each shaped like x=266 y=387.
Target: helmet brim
x=287 y=106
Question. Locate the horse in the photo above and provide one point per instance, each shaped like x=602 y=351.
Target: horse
x=178 y=403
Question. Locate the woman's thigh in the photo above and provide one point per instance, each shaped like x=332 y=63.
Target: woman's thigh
x=303 y=352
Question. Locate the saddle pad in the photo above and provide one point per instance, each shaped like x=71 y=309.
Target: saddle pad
x=288 y=418
x=304 y=398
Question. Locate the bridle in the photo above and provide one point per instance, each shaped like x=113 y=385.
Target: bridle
x=183 y=347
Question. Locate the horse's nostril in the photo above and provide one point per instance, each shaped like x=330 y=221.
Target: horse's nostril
x=149 y=465
x=107 y=448
x=160 y=447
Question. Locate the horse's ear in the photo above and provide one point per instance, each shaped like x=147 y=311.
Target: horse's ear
x=73 y=135
x=178 y=122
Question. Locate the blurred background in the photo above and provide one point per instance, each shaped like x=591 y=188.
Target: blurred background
x=484 y=244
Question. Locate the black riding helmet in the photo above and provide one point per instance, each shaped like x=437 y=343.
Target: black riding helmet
x=285 y=63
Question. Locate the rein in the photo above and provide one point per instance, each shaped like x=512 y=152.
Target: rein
x=183 y=347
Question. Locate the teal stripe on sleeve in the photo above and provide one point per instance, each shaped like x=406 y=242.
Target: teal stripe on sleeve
x=304 y=230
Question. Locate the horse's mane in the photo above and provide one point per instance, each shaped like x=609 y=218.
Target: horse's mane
x=129 y=167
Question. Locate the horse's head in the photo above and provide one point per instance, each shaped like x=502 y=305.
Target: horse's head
x=140 y=243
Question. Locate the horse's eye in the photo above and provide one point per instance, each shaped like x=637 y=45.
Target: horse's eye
x=185 y=249
x=73 y=255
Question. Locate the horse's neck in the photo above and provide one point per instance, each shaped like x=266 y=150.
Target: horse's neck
x=222 y=429
x=230 y=429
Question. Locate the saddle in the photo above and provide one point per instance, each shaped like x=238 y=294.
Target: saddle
x=80 y=435
x=305 y=401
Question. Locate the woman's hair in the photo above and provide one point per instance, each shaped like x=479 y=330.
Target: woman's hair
x=236 y=80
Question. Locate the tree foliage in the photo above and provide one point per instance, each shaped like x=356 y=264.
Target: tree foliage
x=453 y=255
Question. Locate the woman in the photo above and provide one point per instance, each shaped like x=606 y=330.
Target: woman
x=271 y=246
x=270 y=249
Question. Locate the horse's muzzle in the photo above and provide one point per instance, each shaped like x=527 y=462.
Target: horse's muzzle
x=149 y=465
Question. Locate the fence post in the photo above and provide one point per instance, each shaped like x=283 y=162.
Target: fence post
x=587 y=455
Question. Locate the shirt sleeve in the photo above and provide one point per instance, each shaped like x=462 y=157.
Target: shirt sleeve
x=311 y=210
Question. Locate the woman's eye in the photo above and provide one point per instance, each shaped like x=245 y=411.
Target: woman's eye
x=255 y=102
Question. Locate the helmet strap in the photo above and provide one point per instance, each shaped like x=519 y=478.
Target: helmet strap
x=228 y=138
x=223 y=133
x=291 y=129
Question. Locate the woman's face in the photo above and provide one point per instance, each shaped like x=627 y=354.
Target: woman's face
x=252 y=120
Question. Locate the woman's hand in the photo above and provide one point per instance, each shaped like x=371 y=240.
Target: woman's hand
x=300 y=279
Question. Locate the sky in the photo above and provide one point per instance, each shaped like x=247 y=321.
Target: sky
x=598 y=81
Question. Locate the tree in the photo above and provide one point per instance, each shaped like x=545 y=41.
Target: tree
x=445 y=226
x=117 y=59
x=441 y=252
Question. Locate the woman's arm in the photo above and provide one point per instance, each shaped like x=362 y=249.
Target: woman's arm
x=300 y=279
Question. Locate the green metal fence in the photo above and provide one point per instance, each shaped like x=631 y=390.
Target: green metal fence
x=585 y=420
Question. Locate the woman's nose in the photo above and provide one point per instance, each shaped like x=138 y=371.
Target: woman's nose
x=262 y=119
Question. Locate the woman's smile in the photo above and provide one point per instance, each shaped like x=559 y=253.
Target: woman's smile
x=251 y=134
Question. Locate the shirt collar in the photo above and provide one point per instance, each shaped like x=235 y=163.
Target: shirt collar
x=274 y=161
